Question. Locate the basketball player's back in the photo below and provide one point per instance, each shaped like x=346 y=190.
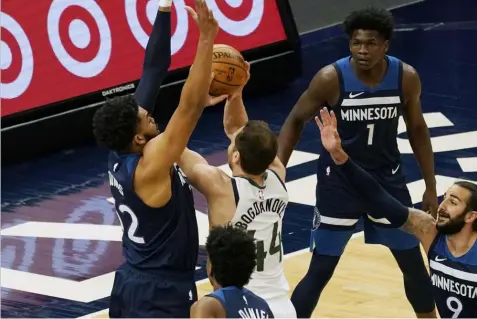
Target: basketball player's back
x=242 y=303
x=260 y=210
x=158 y=243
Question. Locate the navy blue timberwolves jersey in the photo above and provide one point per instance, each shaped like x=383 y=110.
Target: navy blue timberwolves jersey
x=368 y=117
x=242 y=303
x=157 y=239
x=454 y=280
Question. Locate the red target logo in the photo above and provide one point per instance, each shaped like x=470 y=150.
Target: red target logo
x=141 y=14
x=79 y=36
x=242 y=24
x=16 y=58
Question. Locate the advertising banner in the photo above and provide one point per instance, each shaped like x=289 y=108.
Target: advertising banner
x=54 y=50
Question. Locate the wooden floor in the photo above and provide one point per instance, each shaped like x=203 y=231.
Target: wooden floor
x=366 y=284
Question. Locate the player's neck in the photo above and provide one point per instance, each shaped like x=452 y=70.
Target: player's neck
x=373 y=76
x=257 y=179
x=459 y=244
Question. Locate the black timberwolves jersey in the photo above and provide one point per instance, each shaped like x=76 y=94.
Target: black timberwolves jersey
x=454 y=280
x=157 y=239
x=242 y=303
x=368 y=117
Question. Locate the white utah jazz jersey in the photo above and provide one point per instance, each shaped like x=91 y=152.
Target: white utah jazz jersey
x=260 y=210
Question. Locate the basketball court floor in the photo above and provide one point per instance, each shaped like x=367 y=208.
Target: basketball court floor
x=61 y=238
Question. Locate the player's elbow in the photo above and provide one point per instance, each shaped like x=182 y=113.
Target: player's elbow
x=419 y=132
x=294 y=123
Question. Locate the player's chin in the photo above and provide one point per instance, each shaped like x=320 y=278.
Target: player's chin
x=442 y=221
x=364 y=65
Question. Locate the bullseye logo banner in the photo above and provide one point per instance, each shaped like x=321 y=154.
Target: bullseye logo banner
x=53 y=50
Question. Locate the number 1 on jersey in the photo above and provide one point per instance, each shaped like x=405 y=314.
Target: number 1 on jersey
x=272 y=250
x=370 y=133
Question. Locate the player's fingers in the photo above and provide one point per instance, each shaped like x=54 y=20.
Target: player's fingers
x=318 y=122
x=191 y=12
x=334 y=122
x=218 y=99
x=211 y=15
x=199 y=4
x=325 y=116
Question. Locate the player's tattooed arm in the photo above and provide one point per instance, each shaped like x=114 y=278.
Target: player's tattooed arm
x=374 y=195
x=422 y=225
x=419 y=137
x=323 y=88
x=207 y=307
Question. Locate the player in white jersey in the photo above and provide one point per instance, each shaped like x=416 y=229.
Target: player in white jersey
x=254 y=198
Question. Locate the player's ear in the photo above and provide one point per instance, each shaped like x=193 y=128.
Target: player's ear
x=236 y=157
x=140 y=139
x=386 y=46
x=471 y=216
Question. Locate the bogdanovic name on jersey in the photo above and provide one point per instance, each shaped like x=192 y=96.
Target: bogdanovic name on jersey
x=369 y=114
x=273 y=205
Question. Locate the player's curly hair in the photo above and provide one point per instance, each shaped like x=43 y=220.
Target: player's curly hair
x=116 y=122
x=232 y=254
x=370 y=18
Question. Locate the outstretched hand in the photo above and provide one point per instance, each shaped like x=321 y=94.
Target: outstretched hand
x=328 y=130
x=203 y=16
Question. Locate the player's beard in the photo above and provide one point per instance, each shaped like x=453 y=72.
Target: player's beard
x=453 y=225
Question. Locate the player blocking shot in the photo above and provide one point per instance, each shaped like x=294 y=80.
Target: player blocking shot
x=450 y=243
x=231 y=259
x=152 y=197
x=368 y=91
x=254 y=198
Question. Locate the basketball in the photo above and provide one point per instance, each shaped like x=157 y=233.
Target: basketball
x=230 y=70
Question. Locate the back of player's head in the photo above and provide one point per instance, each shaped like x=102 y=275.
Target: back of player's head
x=116 y=122
x=472 y=201
x=232 y=255
x=370 y=18
x=257 y=146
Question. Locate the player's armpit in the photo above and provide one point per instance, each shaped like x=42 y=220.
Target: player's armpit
x=324 y=87
x=207 y=307
x=189 y=159
x=207 y=179
x=422 y=225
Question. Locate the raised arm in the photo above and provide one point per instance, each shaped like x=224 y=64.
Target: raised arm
x=235 y=117
x=324 y=87
x=157 y=59
x=411 y=220
x=162 y=151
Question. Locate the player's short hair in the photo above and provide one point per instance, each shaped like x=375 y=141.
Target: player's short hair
x=472 y=202
x=232 y=255
x=257 y=146
x=116 y=122
x=370 y=18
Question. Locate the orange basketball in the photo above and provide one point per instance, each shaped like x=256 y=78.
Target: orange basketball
x=229 y=67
